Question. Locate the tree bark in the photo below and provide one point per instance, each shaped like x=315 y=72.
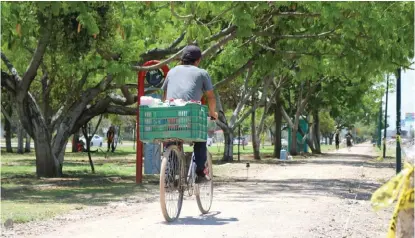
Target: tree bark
x=20 y=135
x=227 y=131
x=228 y=150
x=255 y=143
x=277 y=134
x=316 y=133
x=75 y=141
x=47 y=164
x=8 y=129
x=28 y=140
x=293 y=147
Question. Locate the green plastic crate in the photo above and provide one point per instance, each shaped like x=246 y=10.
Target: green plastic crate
x=188 y=123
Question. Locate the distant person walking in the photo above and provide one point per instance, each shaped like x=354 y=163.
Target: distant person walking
x=349 y=138
x=337 y=139
x=110 y=139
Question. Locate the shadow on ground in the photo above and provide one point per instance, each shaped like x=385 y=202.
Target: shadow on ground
x=262 y=190
x=209 y=219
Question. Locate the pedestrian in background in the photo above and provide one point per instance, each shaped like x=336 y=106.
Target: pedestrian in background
x=337 y=139
x=110 y=139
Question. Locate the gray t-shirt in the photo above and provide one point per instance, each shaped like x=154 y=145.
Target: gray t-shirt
x=187 y=82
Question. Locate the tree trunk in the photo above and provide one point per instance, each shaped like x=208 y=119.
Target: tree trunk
x=293 y=147
x=331 y=140
x=316 y=132
x=8 y=131
x=20 y=135
x=88 y=147
x=27 y=147
x=255 y=143
x=47 y=164
x=277 y=134
x=75 y=141
x=228 y=150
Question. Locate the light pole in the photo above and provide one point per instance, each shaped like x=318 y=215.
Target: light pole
x=398 y=121
x=386 y=117
x=379 y=141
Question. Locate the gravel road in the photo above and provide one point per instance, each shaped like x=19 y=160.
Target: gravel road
x=327 y=196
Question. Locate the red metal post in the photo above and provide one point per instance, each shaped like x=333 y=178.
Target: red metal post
x=140 y=89
x=139 y=154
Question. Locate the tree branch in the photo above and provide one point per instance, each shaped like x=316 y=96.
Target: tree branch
x=244 y=97
x=286 y=117
x=10 y=66
x=6 y=115
x=174 y=13
x=177 y=55
x=96 y=128
x=159 y=65
x=298 y=14
x=223 y=13
x=127 y=85
x=265 y=47
x=305 y=36
x=129 y=98
x=261 y=102
x=235 y=74
x=31 y=72
x=8 y=82
x=157 y=54
x=222 y=33
x=216 y=46
x=120 y=110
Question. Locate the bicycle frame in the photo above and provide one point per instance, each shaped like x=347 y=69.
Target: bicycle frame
x=192 y=171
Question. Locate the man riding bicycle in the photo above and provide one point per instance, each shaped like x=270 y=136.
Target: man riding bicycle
x=188 y=82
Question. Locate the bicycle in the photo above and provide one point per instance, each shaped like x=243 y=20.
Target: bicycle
x=174 y=182
x=175 y=126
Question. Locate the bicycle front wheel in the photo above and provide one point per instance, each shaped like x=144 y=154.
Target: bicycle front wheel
x=172 y=176
x=204 y=192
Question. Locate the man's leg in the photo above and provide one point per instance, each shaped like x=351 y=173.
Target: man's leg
x=200 y=151
x=108 y=149
x=112 y=147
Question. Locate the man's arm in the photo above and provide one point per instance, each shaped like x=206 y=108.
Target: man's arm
x=208 y=88
x=212 y=103
x=164 y=88
x=164 y=95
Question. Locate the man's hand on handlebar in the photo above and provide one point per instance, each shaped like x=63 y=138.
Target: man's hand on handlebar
x=213 y=115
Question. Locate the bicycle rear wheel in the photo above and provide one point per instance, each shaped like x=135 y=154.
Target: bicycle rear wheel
x=172 y=175
x=204 y=192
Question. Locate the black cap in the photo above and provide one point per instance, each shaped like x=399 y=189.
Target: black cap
x=191 y=53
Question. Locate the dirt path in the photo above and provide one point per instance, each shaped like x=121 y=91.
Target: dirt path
x=321 y=197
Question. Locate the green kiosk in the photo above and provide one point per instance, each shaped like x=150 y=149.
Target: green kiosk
x=301 y=147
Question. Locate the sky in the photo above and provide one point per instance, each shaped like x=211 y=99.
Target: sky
x=407 y=97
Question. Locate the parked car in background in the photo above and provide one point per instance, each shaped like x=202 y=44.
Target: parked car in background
x=96 y=140
x=240 y=141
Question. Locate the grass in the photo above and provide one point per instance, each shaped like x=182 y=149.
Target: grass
x=26 y=198
x=390 y=153
x=24 y=212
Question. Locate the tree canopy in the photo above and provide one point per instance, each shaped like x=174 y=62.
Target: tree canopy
x=66 y=62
